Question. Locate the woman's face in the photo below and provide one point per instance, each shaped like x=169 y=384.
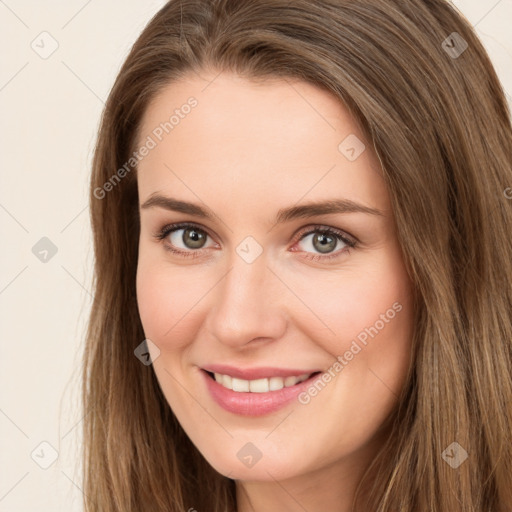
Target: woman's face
x=257 y=291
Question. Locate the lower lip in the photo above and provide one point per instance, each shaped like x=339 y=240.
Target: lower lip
x=254 y=404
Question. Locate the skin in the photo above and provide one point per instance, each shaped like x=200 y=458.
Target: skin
x=245 y=151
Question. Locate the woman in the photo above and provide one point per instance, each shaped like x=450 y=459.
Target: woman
x=303 y=279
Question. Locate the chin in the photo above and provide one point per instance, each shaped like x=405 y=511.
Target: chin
x=270 y=467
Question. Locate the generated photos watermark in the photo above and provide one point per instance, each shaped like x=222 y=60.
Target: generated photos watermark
x=343 y=360
x=150 y=143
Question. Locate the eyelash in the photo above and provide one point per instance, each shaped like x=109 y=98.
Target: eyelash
x=351 y=243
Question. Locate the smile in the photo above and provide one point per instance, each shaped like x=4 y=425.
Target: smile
x=257 y=396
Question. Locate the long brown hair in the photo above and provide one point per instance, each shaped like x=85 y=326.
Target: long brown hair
x=418 y=80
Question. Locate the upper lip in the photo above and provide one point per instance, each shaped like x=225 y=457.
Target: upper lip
x=260 y=372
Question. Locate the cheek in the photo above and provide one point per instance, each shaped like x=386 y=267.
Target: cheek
x=159 y=301
x=169 y=300
x=357 y=305
x=364 y=320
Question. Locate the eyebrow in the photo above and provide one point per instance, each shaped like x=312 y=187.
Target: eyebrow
x=283 y=215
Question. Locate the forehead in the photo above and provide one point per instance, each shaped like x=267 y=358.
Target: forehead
x=276 y=140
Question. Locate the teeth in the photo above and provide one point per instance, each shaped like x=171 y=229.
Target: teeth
x=239 y=384
x=258 y=385
x=275 y=383
x=289 y=381
x=227 y=381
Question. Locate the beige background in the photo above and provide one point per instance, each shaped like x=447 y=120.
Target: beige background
x=51 y=106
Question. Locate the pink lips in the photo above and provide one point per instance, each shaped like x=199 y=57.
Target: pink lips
x=254 y=404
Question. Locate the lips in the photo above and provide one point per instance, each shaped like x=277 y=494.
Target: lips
x=258 y=402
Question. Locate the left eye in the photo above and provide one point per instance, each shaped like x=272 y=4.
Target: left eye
x=324 y=241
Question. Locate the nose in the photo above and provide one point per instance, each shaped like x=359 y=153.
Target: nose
x=248 y=305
